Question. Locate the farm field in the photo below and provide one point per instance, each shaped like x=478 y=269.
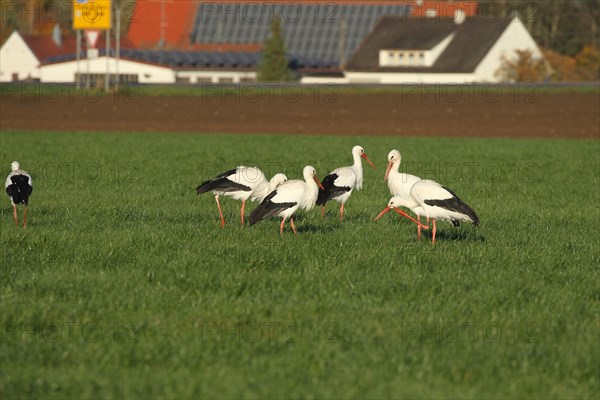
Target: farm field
x=124 y=284
x=413 y=110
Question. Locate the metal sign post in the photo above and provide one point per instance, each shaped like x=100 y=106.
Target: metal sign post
x=78 y=51
x=93 y=14
x=118 y=44
x=87 y=57
x=107 y=55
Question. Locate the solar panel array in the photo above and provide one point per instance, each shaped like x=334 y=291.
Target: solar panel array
x=312 y=32
x=195 y=59
x=183 y=59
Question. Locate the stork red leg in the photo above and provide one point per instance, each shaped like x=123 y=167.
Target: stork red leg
x=281 y=226
x=220 y=212
x=243 y=207
x=323 y=212
x=25 y=218
x=342 y=212
x=434 y=229
x=15 y=216
x=419 y=228
x=292 y=224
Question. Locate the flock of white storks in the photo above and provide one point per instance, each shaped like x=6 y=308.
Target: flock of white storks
x=281 y=197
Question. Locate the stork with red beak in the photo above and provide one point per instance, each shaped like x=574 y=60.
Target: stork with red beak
x=400 y=184
x=393 y=204
x=241 y=183
x=288 y=198
x=434 y=201
x=338 y=185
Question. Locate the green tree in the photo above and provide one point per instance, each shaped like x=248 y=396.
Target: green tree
x=274 y=65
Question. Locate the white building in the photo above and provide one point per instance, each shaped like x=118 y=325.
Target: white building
x=129 y=71
x=17 y=60
x=416 y=50
x=398 y=50
x=53 y=59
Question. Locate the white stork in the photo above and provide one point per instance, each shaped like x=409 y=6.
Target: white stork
x=400 y=184
x=287 y=198
x=338 y=185
x=436 y=202
x=19 y=187
x=241 y=183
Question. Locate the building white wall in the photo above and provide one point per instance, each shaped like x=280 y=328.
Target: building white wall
x=393 y=57
x=17 y=58
x=394 y=77
x=323 y=80
x=65 y=71
x=216 y=76
x=515 y=37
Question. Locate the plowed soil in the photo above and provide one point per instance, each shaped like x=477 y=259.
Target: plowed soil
x=558 y=115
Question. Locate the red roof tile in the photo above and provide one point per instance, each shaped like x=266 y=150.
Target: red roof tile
x=145 y=26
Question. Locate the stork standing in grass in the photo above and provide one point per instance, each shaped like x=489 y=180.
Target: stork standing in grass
x=424 y=197
x=400 y=184
x=19 y=187
x=288 y=198
x=338 y=185
x=241 y=183
x=436 y=202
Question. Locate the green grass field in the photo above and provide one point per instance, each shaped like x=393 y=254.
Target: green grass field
x=124 y=285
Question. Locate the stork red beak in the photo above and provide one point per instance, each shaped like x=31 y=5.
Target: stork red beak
x=387 y=171
x=364 y=155
x=388 y=208
x=382 y=213
x=318 y=183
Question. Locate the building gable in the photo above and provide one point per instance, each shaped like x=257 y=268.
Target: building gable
x=463 y=46
x=17 y=60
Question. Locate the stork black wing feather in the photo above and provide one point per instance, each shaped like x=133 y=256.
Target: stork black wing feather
x=222 y=183
x=20 y=189
x=455 y=204
x=330 y=191
x=268 y=209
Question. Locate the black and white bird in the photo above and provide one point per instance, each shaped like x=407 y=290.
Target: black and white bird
x=241 y=183
x=400 y=184
x=393 y=204
x=434 y=201
x=288 y=198
x=19 y=187
x=340 y=183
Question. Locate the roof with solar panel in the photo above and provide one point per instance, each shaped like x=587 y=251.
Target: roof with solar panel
x=229 y=34
x=327 y=33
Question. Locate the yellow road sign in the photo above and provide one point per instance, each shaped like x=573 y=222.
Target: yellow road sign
x=91 y=14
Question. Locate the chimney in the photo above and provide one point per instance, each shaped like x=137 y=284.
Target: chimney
x=57 y=35
x=459 y=17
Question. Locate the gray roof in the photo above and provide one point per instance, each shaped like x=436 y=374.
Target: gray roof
x=472 y=41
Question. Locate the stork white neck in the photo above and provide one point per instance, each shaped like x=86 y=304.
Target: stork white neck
x=357 y=166
x=312 y=189
x=397 y=201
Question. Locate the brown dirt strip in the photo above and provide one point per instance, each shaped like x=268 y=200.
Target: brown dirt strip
x=555 y=115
